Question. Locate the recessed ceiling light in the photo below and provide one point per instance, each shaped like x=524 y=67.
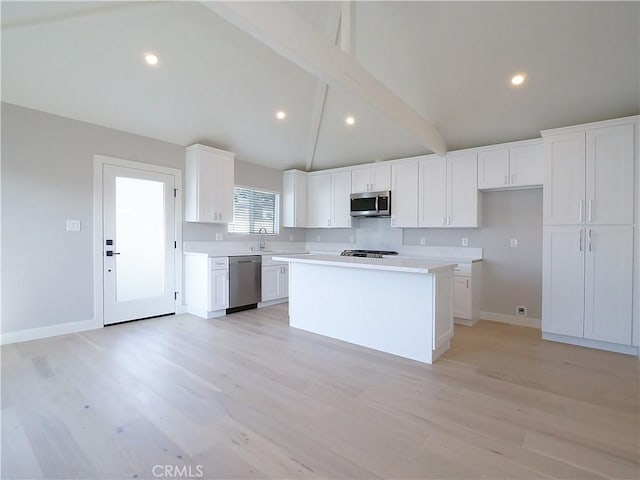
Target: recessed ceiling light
x=280 y=115
x=518 y=79
x=150 y=58
x=350 y=120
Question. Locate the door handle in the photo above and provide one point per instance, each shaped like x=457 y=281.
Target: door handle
x=590 y=242
x=505 y=180
x=581 y=240
x=590 y=209
x=580 y=211
x=111 y=253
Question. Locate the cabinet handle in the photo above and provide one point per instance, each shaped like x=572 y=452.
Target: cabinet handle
x=448 y=220
x=329 y=223
x=505 y=180
x=580 y=211
x=442 y=220
x=581 y=240
x=513 y=178
x=590 y=242
x=590 y=209
x=467 y=283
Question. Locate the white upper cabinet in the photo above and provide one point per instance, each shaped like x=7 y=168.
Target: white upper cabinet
x=319 y=200
x=432 y=191
x=341 y=199
x=589 y=176
x=609 y=175
x=404 y=195
x=512 y=166
x=371 y=178
x=462 y=190
x=294 y=194
x=209 y=182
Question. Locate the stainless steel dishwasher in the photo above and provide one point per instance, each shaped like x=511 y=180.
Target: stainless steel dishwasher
x=245 y=282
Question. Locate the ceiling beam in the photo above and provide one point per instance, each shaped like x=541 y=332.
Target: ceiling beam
x=280 y=28
x=333 y=29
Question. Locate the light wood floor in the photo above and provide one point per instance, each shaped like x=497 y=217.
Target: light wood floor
x=248 y=397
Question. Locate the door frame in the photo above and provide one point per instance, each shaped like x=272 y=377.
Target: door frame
x=98 y=228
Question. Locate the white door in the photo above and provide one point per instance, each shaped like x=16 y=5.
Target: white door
x=525 y=165
x=380 y=178
x=138 y=244
x=341 y=199
x=360 y=180
x=319 y=200
x=432 y=191
x=462 y=190
x=404 y=201
x=219 y=294
x=493 y=169
x=564 y=179
x=609 y=173
x=609 y=278
x=563 y=280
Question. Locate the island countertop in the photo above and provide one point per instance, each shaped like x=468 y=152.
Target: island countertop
x=407 y=265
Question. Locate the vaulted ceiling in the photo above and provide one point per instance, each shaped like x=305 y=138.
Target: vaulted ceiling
x=451 y=62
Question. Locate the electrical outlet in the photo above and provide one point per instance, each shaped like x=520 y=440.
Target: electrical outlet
x=521 y=311
x=513 y=242
x=73 y=225
x=423 y=241
x=465 y=242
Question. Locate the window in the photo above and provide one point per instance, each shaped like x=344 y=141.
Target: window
x=254 y=210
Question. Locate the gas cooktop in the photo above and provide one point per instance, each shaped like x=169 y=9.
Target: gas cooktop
x=367 y=253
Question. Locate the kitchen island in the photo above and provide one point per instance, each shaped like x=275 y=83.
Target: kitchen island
x=395 y=305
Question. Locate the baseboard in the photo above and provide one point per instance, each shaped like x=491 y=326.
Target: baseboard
x=512 y=319
x=467 y=322
x=585 y=342
x=268 y=303
x=49 y=331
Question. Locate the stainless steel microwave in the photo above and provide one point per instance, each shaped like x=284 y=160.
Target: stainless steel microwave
x=371 y=204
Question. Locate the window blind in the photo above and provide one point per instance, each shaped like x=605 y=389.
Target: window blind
x=253 y=210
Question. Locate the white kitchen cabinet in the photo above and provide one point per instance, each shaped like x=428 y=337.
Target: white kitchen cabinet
x=275 y=282
x=294 y=198
x=587 y=282
x=341 y=199
x=206 y=284
x=209 y=179
x=589 y=176
x=371 y=178
x=467 y=293
x=329 y=200
x=319 y=200
x=448 y=191
x=404 y=196
x=509 y=167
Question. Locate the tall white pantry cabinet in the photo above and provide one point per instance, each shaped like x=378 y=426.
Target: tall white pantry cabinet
x=588 y=235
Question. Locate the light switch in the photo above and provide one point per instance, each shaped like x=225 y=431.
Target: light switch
x=73 y=225
x=465 y=242
x=513 y=242
x=423 y=241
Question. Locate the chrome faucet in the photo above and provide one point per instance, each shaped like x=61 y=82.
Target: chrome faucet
x=261 y=242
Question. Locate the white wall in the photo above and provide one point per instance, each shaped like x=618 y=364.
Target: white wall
x=510 y=276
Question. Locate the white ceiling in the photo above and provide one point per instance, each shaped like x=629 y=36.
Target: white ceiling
x=451 y=61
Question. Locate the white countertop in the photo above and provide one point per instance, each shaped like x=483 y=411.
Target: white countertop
x=409 y=265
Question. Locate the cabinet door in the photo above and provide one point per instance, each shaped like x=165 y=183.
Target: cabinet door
x=340 y=199
x=284 y=281
x=219 y=290
x=224 y=190
x=319 y=200
x=525 y=165
x=564 y=179
x=432 y=196
x=609 y=174
x=609 y=279
x=360 y=180
x=404 y=195
x=270 y=282
x=380 y=178
x=563 y=280
x=493 y=169
x=294 y=193
x=462 y=297
x=462 y=190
